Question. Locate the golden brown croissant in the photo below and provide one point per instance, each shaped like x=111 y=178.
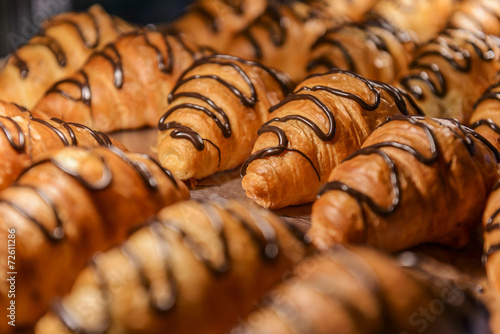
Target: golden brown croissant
x=65 y=208
x=478 y=16
x=360 y=291
x=212 y=23
x=411 y=182
x=491 y=228
x=448 y=74
x=215 y=111
x=281 y=37
x=327 y=118
x=61 y=47
x=375 y=50
x=421 y=19
x=344 y=10
x=23 y=138
x=195 y=269
x=123 y=86
x=486 y=116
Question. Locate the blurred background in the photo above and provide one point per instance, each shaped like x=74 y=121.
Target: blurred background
x=20 y=19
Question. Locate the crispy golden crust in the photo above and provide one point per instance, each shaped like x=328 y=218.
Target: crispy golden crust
x=212 y=23
x=416 y=180
x=492 y=238
x=196 y=269
x=486 y=116
x=326 y=119
x=122 y=87
x=451 y=72
x=63 y=45
x=67 y=207
x=23 y=138
x=421 y=20
x=215 y=111
x=478 y=16
x=373 y=49
x=361 y=291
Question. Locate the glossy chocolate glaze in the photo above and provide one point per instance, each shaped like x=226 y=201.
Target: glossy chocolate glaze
x=430 y=73
x=111 y=54
x=468 y=137
x=258 y=227
x=105 y=181
x=53 y=45
x=22 y=138
x=328 y=39
x=400 y=98
x=217 y=114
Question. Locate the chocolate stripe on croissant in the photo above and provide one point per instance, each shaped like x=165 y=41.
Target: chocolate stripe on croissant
x=58 y=233
x=438 y=85
x=113 y=56
x=329 y=40
x=101 y=138
x=259 y=229
x=465 y=136
x=184 y=132
x=53 y=45
x=373 y=86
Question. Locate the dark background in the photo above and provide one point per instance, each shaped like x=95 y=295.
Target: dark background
x=20 y=19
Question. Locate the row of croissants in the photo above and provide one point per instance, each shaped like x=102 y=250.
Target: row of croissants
x=385 y=114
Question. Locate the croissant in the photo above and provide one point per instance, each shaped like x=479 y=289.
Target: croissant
x=215 y=111
x=422 y=20
x=360 y=291
x=478 y=16
x=63 y=209
x=410 y=183
x=451 y=72
x=349 y=46
x=61 y=47
x=344 y=10
x=485 y=118
x=281 y=37
x=491 y=237
x=23 y=138
x=323 y=122
x=212 y=23
x=124 y=86
x=196 y=268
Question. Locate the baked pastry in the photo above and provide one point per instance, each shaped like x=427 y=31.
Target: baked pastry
x=373 y=49
x=491 y=233
x=344 y=10
x=360 y=291
x=196 y=268
x=422 y=20
x=23 y=138
x=450 y=73
x=124 y=86
x=60 y=48
x=478 y=16
x=410 y=183
x=486 y=116
x=281 y=37
x=212 y=23
x=327 y=118
x=66 y=207
x=215 y=111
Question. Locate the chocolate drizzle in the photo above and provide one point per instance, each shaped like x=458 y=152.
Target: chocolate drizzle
x=428 y=71
x=466 y=135
x=213 y=111
x=258 y=227
x=272 y=22
x=104 y=181
x=43 y=39
x=20 y=144
x=365 y=30
x=399 y=97
x=165 y=64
